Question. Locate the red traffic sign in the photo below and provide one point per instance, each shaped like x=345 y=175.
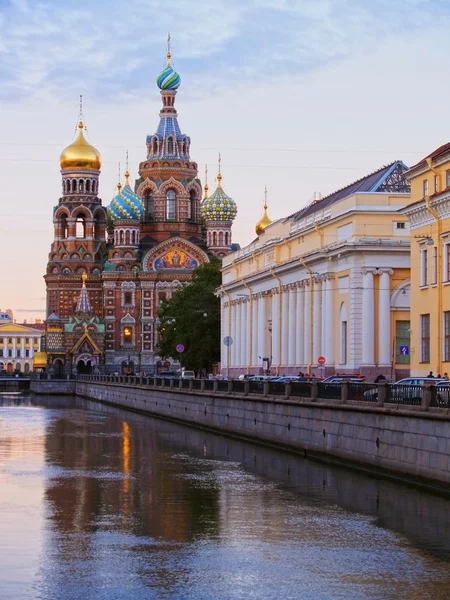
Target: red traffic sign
x=321 y=360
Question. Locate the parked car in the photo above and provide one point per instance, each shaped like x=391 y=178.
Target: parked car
x=187 y=374
x=409 y=387
x=168 y=375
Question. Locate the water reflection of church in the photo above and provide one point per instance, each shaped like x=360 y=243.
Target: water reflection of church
x=133 y=254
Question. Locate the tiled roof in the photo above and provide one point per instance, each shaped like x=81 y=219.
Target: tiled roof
x=378 y=181
x=435 y=154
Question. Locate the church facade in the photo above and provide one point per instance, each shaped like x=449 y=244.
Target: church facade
x=109 y=268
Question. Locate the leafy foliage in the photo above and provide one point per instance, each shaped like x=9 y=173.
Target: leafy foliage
x=192 y=318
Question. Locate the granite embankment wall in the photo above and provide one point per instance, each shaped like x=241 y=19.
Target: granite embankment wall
x=408 y=443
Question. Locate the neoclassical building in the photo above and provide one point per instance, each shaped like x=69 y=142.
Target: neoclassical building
x=126 y=258
x=19 y=345
x=326 y=289
x=429 y=217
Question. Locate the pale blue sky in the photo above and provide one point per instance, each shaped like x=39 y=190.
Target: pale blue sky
x=302 y=95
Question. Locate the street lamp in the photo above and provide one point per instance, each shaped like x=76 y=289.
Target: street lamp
x=156 y=324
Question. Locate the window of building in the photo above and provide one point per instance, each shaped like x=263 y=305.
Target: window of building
x=447 y=335
x=1 y=351
x=402 y=341
x=447 y=178
x=447 y=262
x=425 y=338
x=150 y=205
x=127 y=298
x=424 y=267
x=436 y=183
x=170 y=149
x=401 y=225
x=27 y=353
x=343 y=357
x=425 y=187
x=27 y=340
x=9 y=340
x=171 y=201
x=128 y=335
x=17 y=353
x=434 y=266
x=80 y=227
x=10 y=353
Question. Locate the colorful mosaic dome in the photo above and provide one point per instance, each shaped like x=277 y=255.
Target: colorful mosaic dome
x=218 y=207
x=168 y=79
x=126 y=204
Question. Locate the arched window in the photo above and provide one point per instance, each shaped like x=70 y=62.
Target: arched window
x=170 y=205
x=127 y=237
x=170 y=145
x=215 y=238
x=150 y=202
x=81 y=185
x=128 y=335
x=64 y=226
x=88 y=185
x=80 y=227
x=74 y=185
x=192 y=205
x=133 y=237
x=184 y=146
x=67 y=186
x=226 y=238
x=155 y=146
x=220 y=238
x=121 y=237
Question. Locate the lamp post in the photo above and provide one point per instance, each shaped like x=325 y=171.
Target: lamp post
x=156 y=323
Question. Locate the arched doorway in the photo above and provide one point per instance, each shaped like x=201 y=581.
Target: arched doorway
x=84 y=367
x=58 y=367
x=127 y=367
x=10 y=368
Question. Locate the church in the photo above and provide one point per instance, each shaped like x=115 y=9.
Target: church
x=109 y=268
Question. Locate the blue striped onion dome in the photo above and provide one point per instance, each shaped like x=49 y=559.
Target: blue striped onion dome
x=218 y=207
x=126 y=205
x=168 y=79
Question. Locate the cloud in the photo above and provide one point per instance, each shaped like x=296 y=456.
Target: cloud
x=113 y=48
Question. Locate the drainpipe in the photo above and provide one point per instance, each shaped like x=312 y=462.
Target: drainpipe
x=434 y=214
x=311 y=309
x=279 y=322
x=249 y=355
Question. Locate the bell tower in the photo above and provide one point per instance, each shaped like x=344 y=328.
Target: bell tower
x=79 y=219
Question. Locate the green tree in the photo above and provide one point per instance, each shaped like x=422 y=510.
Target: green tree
x=192 y=318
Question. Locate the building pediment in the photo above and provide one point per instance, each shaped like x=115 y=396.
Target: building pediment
x=14 y=329
x=175 y=254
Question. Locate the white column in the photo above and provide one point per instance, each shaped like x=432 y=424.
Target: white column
x=328 y=322
x=255 y=331
x=262 y=323
x=242 y=330
x=225 y=333
x=307 y=326
x=317 y=321
x=285 y=327
x=247 y=341
x=368 y=322
x=299 y=330
x=384 y=318
x=292 y=324
x=276 y=333
x=235 y=343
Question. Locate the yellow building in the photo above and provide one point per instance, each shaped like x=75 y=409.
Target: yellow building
x=429 y=216
x=18 y=346
x=328 y=284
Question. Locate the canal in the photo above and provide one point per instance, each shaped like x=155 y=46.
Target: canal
x=101 y=503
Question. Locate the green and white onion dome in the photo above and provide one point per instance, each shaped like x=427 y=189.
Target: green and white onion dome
x=218 y=207
x=126 y=204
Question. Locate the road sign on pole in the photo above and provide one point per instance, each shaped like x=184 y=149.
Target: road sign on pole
x=180 y=348
x=321 y=360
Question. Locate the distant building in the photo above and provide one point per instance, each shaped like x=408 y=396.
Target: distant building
x=18 y=346
x=429 y=217
x=325 y=290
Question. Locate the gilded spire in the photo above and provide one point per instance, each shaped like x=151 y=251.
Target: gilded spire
x=119 y=185
x=80 y=116
x=83 y=304
x=169 y=54
x=127 y=172
x=219 y=175
x=206 y=181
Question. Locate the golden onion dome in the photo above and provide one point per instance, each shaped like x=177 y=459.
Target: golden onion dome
x=80 y=154
x=265 y=220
